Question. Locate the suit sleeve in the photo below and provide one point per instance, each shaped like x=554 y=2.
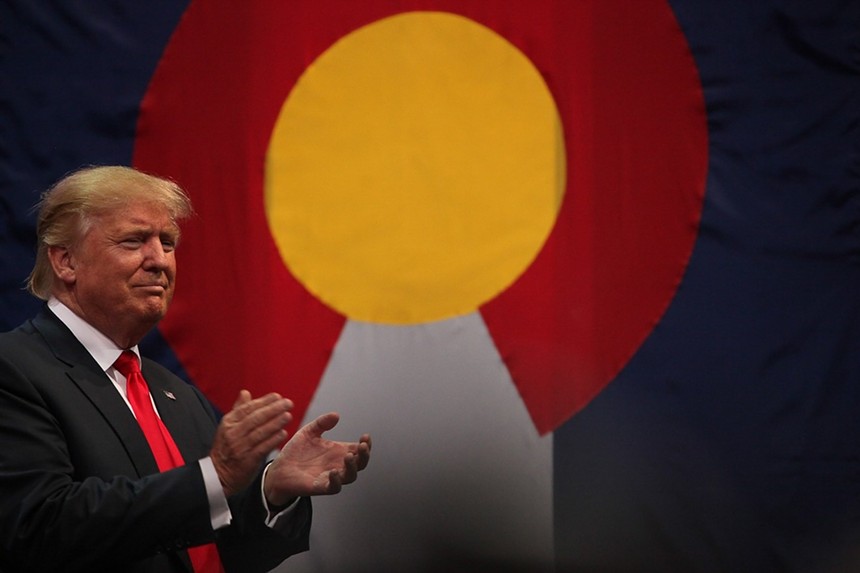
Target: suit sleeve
x=248 y=545
x=249 y=535
x=54 y=518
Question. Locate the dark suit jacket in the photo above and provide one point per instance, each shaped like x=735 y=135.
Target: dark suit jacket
x=79 y=488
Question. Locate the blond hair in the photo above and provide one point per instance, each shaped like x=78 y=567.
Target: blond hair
x=67 y=209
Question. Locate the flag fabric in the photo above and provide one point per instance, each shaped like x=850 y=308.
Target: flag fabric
x=649 y=363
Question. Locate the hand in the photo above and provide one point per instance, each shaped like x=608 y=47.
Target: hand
x=311 y=465
x=246 y=435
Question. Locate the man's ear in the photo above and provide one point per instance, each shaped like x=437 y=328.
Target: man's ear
x=62 y=263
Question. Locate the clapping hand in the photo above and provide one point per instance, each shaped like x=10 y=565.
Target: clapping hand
x=309 y=464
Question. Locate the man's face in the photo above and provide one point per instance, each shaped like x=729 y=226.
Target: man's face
x=124 y=271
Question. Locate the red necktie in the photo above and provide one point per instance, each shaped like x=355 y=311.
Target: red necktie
x=204 y=557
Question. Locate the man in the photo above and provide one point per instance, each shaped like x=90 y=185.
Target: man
x=92 y=477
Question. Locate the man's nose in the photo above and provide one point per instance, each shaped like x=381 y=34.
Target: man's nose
x=155 y=257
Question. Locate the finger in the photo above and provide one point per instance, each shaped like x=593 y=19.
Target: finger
x=365 y=439
x=272 y=399
x=334 y=482
x=350 y=469
x=259 y=427
x=264 y=428
x=267 y=443
x=257 y=411
x=363 y=454
x=270 y=427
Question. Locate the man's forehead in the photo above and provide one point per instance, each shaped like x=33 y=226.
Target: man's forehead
x=147 y=217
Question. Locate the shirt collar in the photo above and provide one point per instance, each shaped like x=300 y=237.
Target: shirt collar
x=101 y=348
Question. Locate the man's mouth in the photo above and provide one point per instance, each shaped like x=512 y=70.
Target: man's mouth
x=155 y=288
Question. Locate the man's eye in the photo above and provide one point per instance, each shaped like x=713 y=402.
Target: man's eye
x=168 y=245
x=131 y=243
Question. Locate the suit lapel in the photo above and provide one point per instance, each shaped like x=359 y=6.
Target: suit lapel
x=86 y=374
x=176 y=412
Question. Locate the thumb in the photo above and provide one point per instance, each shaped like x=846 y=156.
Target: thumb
x=323 y=423
x=244 y=396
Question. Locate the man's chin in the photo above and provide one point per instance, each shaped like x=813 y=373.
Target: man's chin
x=154 y=311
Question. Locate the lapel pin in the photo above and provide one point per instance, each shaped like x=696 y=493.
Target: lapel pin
x=169 y=394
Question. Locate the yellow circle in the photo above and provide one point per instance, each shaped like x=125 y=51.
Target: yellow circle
x=415 y=170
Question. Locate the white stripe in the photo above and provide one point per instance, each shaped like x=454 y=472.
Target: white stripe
x=456 y=465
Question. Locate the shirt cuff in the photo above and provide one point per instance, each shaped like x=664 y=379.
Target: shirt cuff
x=272 y=519
x=219 y=509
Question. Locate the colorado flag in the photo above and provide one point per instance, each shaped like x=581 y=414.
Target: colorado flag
x=586 y=270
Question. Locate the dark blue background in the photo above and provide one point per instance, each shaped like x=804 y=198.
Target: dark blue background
x=731 y=442
x=72 y=75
